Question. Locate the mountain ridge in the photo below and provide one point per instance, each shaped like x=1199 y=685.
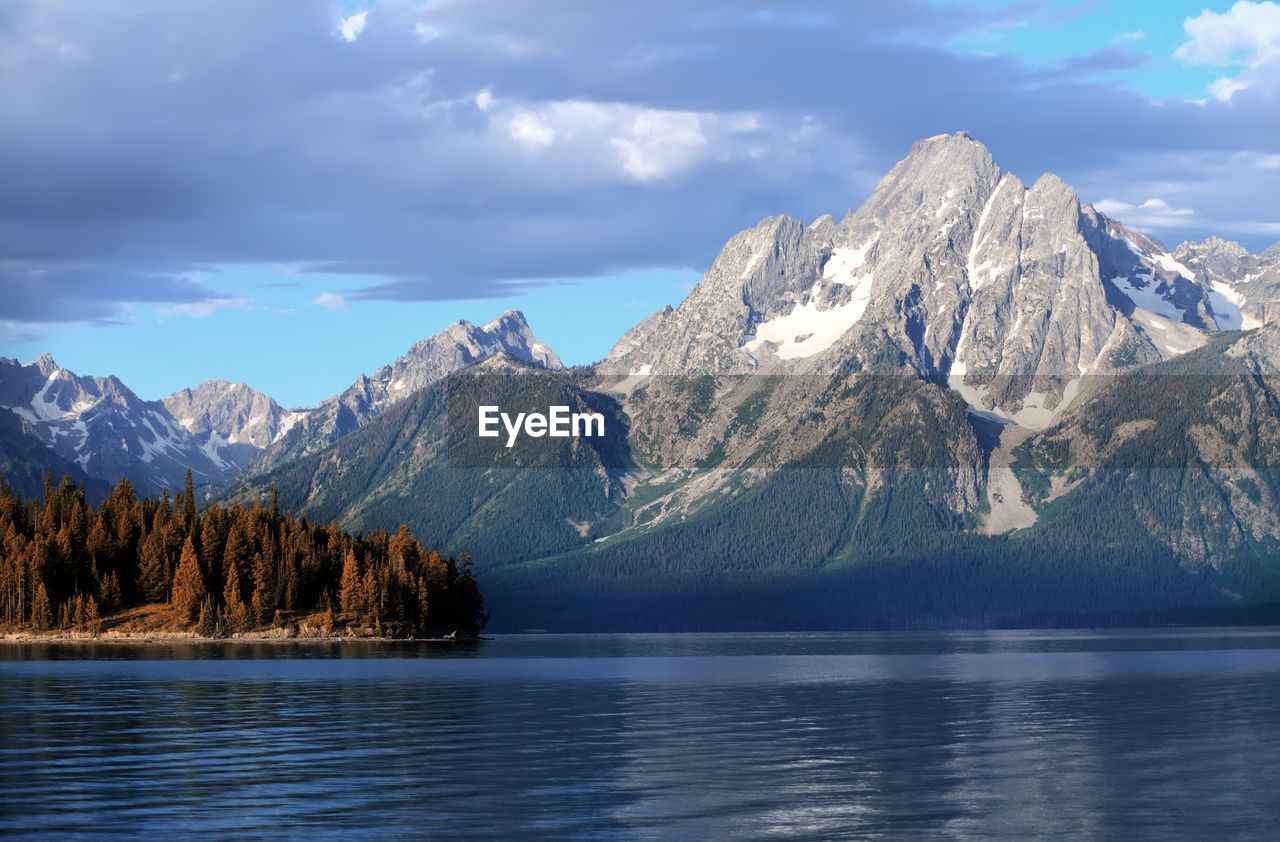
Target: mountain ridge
x=426 y=362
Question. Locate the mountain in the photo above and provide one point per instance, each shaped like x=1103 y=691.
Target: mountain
x=1249 y=282
x=1188 y=449
x=24 y=459
x=951 y=268
x=419 y=462
x=884 y=419
x=230 y=421
x=454 y=348
x=96 y=429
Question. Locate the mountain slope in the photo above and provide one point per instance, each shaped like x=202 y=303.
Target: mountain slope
x=420 y=463
x=99 y=426
x=456 y=347
x=24 y=458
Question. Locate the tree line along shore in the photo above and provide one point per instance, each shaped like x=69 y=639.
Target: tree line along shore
x=165 y=569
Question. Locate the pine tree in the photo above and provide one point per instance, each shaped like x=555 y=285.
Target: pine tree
x=41 y=613
x=110 y=590
x=327 y=620
x=189 y=501
x=188 y=585
x=351 y=597
x=207 y=624
x=237 y=614
x=371 y=594
x=212 y=539
x=92 y=617
x=152 y=566
x=263 y=588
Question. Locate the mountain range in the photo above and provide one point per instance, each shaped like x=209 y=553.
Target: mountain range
x=968 y=400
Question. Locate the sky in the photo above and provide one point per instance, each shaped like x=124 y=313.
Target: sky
x=290 y=194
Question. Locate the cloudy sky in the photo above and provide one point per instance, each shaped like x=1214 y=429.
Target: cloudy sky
x=289 y=193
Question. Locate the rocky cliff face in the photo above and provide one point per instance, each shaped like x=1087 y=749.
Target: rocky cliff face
x=1243 y=288
x=230 y=421
x=460 y=345
x=233 y=410
x=951 y=269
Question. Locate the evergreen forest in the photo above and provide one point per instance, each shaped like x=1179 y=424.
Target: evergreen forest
x=67 y=564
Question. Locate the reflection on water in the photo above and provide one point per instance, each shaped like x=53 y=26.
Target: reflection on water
x=1009 y=735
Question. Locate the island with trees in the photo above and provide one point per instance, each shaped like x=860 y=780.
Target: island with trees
x=154 y=567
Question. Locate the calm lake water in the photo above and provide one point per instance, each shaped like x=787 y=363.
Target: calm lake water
x=1148 y=734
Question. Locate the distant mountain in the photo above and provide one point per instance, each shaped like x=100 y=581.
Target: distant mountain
x=24 y=459
x=459 y=345
x=96 y=428
x=230 y=420
x=1249 y=282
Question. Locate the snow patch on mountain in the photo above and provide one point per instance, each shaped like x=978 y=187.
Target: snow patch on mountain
x=809 y=329
x=1147 y=297
x=1226 y=303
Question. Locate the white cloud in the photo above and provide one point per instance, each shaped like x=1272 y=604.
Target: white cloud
x=656 y=144
x=1247 y=34
x=349 y=28
x=1112 y=207
x=1162 y=207
x=332 y=302
x=637 y=143
x=1225 y=87
x=62 y=48
x=201 y=309
x=1269 y=162
x=530 y=130
x=426 y=32
x=1136 y=35
x=1154 y=213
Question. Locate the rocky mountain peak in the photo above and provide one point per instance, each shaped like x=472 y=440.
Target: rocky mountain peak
x=230 y=414
x=105 y=430
x=45 y=364
x=951 y=268
x=459 y=345
x=510 y=321
x=941 y=172
x=959 y=144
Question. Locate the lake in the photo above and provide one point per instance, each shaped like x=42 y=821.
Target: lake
x=1141 y=734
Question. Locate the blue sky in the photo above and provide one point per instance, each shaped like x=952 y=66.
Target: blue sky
x=290 y=194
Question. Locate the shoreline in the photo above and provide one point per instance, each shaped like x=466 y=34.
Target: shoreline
x=148 y=637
